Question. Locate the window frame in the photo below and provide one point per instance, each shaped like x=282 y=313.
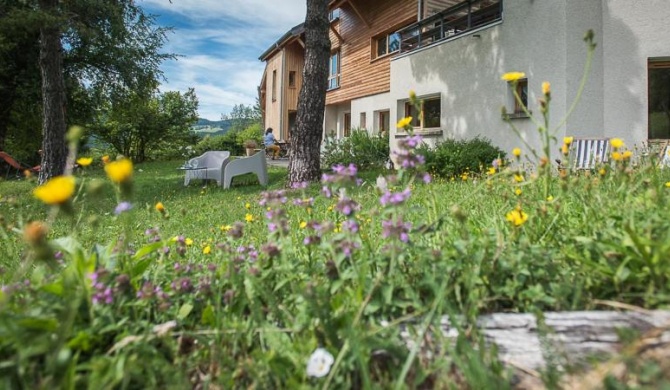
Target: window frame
x=274 y=85
x=292 y=78
x=521 y=87
x=334 y=78
x=386 y=37
x=654 y=64
x=418 y=117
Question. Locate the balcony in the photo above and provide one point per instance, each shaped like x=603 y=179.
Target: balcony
x=453 y=21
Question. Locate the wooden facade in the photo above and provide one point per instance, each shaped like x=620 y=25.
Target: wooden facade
x=354 y=35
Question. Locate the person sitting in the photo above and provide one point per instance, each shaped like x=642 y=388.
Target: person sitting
x=270 y=143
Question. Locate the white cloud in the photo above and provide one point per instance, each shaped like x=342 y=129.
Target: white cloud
x=220 y=42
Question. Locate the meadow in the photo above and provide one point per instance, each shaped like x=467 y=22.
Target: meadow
x=138 y=282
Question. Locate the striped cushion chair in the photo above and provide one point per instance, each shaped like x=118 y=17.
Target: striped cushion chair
x=664 y=156
x=586 y=153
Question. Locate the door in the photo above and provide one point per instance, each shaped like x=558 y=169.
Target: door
x=659 y=99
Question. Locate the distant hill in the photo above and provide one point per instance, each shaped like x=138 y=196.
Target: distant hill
x=206 y=127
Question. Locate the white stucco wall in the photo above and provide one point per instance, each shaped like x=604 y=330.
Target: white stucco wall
x=543 y=38
x=334 y=119
x=634 y=31
x=369 y=105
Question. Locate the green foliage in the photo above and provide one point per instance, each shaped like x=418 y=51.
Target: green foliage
x=254 y=133
x=144 y=126
x=453 y=157
x=227 y=142
x=243 y=117
x=360 y=148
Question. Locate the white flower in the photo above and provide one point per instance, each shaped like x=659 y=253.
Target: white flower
x=382 y=184
x=319 y=363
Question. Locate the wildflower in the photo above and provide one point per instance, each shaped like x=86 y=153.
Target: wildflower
x=84 y=161
x=303 y=225
x=347 y=206
x=207 y=250
x=565 y=149
x=516 y=152
x=123 y=207
x=249 y=217
x=546 y=88
x=319 y=363
x=119 y=171
x=518 y=177
x=616 y=143
x=412 y=94
x=667 y=184
x=627 y=155
x=247 y=205
x=351 y=225
x=404 y=122
x=518 y=191
x=513 y=76
x=616 y=156
x=427 y=178
x=394 y=199
x=517 y=217
x=550 y=198
x=35 y=233
x=225 y=228
x=568 y=140
x=272 y=198
x=105 y=159
x=491 y=171
x=602 y=171
x=188 y=242
x=56 y=191
x=398 y=229
x=299 y=185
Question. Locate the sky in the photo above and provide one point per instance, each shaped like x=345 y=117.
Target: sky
x=219 y=42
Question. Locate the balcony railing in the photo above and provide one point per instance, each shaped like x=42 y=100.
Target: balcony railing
x=453 y=21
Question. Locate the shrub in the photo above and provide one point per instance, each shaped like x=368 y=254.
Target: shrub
x=454 y=157
x=227 y=142
x=362 y=149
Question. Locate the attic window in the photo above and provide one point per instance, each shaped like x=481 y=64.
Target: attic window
x=291 y=79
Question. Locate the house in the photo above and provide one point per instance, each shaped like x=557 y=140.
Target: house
x=453 y=52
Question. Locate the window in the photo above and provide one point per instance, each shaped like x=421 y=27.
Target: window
x=659 y=99
x=514 y=106
x=334 y=71
x=347 y=124
x=291 y=79
x=363 y=122
x=383 y=121
x=274 y=85
x=386 y=44
x=429 y=115
x=334 y=15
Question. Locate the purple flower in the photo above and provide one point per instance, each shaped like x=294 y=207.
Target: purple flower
x=396 y=229
x=347 y=206
x=122 y=207
x=395 y=198
x=299 y=185
x=350 y=225
x=427 y=178
x=273 y=198
x=308 y=202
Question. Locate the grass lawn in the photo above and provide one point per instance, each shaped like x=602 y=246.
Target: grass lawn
x=239 y=287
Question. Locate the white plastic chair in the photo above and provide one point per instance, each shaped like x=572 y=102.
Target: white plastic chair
x=208 y=166
x=254 y=164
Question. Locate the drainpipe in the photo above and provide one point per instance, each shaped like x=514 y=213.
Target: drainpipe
x=420 y=12
x=283 y=95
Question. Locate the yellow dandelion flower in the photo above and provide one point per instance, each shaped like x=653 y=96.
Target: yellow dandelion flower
x=513 y=76
x=249 y=217
x=119 y=171
x=602 y=171
x=627 y=155
x=616 y=156
x=518 y=192
x=247 y=205
x=550 y=198
x=56 y=191
x=518 y=178
x=491 y=171
x=517 y=217
x=225 y=228
x=568 y=140
x=412 y=94
x=188 y=242
x=516 y=152
x=404 y=122
x=105 y=159
x=159 y=207
x=667 y=184
x=207 y=250
x=303 y=225
x=84 y=161
x=546 y=88
x=565 y=149
x=174 y=239
x=617 y=143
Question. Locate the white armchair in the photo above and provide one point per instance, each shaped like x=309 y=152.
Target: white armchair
x=255 y=164
x=208 y=166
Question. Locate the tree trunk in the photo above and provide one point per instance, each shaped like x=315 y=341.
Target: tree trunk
x=306 y=139
x=54 y=149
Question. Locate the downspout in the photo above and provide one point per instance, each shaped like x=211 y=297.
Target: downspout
x=283 y=94
x=419 y=16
